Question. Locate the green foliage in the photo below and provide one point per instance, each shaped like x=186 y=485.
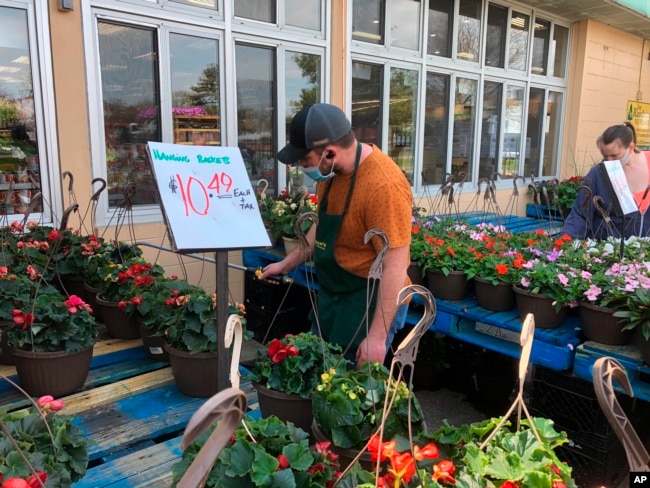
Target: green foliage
x=348 y=406
x=192 y=323
x=52 y=322
x=281 y=213
x=294 y=364
x=443 y=245
x=248 y=463
x=64 y=456
x=511 y=455
x=637 y=312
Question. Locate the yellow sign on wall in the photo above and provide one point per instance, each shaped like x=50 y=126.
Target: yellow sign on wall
x=638 y=113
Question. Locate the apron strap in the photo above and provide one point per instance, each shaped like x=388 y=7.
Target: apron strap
x=352 y=181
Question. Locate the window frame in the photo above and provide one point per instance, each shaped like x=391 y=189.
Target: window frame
x=38 y=28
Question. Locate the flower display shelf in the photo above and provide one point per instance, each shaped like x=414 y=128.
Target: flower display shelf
x=499 y=331
x=131 y=409
x=628 y=355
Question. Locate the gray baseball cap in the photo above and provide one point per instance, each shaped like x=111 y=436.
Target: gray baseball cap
x=315 y=125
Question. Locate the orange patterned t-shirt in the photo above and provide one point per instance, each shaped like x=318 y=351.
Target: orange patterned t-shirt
x=381 y=199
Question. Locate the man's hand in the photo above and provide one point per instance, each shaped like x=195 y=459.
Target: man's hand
x=273 y=269
x=372 y=348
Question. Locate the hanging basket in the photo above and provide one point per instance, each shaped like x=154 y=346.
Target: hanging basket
x=497 y=298
x=153 y=344
x=546 y=317
x=195 y=375
x=287 y=407
x=600 y=325
x=454 y=286
x=414 y=272
x=52 y=373
x=119 y=324
x=6 y=356
x=346 y=456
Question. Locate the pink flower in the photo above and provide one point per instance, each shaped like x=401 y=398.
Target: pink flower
x=592 y=293
x=563 y=279
x=525 y=282
x=74 y=304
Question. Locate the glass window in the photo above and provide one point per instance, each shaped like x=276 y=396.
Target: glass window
x=436 y=129
x=519 y=34
x=440 y=27
x=405 y=24
x=469 y=30
x=262 y=10
x=534 y=128
x=195 y=90
x=490 y=129
x=401 y=119
x=303 y=13
x=302 y=88
x=550 y=166
x=256 y=114
x=513 y=127
x=366 y=106
x=129 y=73
x=212 y=4
x=559 y=50
x=495 y=44
x=463 y=128
x=19 y=141
x=540 y=46
x=368 y=21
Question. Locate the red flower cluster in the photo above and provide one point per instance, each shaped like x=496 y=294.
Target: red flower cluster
x=138 y=274
x=403 y=465
x=23 y=319
x=74 y=304
x=278 y=352
x=34 y=481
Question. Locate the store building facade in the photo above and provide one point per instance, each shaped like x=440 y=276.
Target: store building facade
x=469 y=88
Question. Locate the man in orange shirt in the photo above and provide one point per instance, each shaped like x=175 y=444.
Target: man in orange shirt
x=359 y=188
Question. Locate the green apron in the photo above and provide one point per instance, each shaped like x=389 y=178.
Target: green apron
x=342 y=296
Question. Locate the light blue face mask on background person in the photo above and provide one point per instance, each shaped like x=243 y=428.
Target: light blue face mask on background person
x=314 y=171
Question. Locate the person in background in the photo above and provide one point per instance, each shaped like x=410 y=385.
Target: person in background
x=359 y=188
x=617 y=142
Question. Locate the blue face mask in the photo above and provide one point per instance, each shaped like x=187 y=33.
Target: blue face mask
x=315 y=174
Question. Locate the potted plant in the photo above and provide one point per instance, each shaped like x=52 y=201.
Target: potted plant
x=40 y=442
x=636 y=317
x=72 y=259
x=348 y=406
x=538 y=287
x=600 y=281
x=445 y=256
x=122 y=283
x=155 y=309
x=288 y=370
x=191 y=342
x=15 y=291
x=507 y=458
x=474 y=455
x=566 y=193
x=52 y=342
x=267 y=452
x=430 y=362
x=285 y=210
x=494 y=267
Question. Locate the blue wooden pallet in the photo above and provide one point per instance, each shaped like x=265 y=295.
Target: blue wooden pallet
x=629 y=357
x=499 y=331
x=132 y=413
x=543 y=212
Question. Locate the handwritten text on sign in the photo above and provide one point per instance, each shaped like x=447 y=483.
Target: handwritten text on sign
x=207 y=197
